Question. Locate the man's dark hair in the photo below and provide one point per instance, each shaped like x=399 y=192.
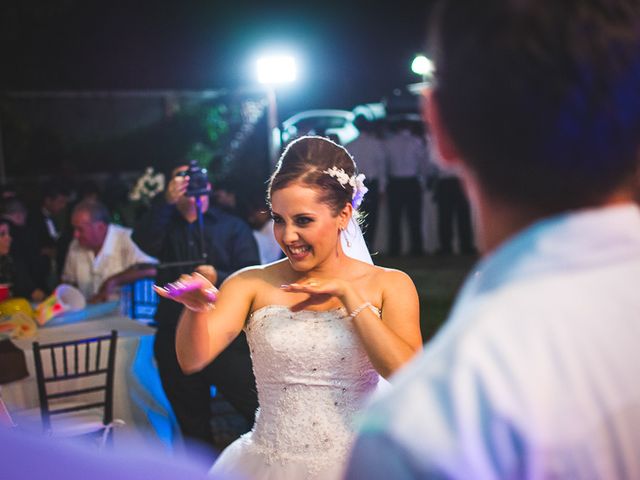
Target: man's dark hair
x=541 y=97
x=11 y=206
x=54 y=188
x=97 y=211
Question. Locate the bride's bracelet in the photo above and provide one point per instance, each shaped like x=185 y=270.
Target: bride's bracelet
x=207 y=307
x=358 y=310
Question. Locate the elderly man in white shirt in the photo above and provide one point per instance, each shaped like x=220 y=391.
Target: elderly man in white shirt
x=535 y=375
x=102 y=255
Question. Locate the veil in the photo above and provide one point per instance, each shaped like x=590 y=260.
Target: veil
x=353 y=244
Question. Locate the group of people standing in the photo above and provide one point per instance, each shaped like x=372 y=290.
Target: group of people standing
x=400 y=167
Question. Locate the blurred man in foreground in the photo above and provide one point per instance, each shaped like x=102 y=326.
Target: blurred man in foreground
x=536 y=104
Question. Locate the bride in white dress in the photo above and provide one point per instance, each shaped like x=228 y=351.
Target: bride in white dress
x=323 y=324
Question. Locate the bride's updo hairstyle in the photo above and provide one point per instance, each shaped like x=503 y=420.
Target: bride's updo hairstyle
x=306 y=161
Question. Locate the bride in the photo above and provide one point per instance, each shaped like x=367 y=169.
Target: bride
x=323 y=324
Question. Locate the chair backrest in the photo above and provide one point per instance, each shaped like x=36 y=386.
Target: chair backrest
x=62 y=367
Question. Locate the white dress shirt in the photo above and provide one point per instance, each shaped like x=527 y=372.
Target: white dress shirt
x=407 y=155
x=370 y=156
x=88 y=271
x=537 y=372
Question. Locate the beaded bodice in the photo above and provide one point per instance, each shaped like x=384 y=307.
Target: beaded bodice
x=312 y=375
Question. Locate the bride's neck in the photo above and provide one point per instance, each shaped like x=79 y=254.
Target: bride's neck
x=330 y=268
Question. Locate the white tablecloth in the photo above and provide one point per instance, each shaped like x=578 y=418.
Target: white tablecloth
x=138 y=396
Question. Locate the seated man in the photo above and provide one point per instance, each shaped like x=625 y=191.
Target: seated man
x=102 y=255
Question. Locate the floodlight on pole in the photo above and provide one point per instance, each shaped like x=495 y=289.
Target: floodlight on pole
x=421 y=65
x=276 y=69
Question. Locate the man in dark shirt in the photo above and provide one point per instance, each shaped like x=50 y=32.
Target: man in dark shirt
x=170 y=231
x=44 y=232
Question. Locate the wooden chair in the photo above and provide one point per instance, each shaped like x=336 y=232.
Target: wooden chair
x=63 y=391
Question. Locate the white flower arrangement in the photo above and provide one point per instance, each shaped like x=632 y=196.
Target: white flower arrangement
x=147 y=186
x=356 y=183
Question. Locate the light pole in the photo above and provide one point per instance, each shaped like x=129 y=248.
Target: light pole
x=274 y=70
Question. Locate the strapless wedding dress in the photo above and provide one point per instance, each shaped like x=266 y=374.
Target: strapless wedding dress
x=313 y=375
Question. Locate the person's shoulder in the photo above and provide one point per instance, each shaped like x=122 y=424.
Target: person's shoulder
x=392 y=276
x=228 y=219
x=34 y=213
x=221 y=215
x=120 y=230
x=74 y=247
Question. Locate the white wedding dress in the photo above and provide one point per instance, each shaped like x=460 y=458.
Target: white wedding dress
x=313 y=375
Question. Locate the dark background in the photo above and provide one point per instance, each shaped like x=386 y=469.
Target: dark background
x=58 y=53
x=350 y=52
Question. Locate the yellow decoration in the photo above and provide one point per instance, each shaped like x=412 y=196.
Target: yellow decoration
x=13 y=305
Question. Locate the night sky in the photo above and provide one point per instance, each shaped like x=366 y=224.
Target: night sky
x=351 y=52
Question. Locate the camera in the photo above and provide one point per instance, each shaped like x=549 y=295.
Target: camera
x=198 y=179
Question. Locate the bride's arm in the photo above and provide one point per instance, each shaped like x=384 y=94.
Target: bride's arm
x=390 y=341
x=202 y=335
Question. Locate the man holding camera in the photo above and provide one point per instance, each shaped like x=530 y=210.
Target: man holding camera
x=216 y=244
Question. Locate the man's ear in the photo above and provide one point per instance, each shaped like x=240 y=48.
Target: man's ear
x=447 y=151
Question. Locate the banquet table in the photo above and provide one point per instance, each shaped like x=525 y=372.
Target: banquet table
x=138 y=396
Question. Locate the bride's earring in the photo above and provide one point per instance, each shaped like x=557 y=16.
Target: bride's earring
x=346 y=237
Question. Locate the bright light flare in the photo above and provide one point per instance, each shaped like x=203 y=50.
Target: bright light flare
x=421 y=65
x=276 y=69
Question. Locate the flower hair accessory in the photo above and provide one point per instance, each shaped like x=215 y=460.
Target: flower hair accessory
x=355 y=181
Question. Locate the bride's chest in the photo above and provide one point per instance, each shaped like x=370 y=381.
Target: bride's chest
x=325 y=339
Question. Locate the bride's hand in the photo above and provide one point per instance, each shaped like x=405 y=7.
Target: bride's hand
x=319 y=291
x=194 y=291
